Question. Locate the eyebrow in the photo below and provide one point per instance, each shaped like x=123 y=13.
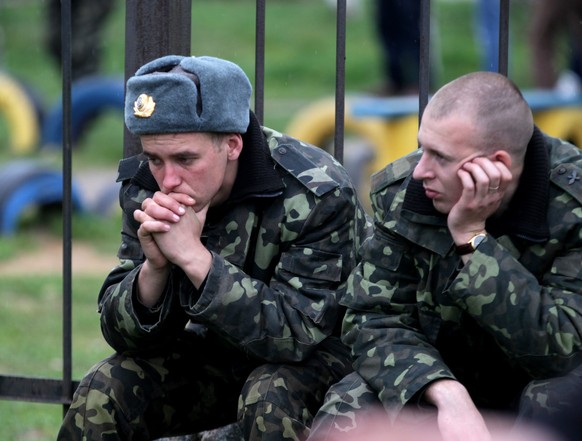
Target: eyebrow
x=433 y=150
x=178 y=154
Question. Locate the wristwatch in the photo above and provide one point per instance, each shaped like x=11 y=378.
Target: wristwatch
x=469 y=247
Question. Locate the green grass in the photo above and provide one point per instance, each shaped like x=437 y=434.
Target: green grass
x=300 y=64
x=31 y=342
x=100 y=232
x=34 y=320
x=31 y=318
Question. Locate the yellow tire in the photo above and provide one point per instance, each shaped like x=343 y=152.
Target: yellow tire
x=20 y=114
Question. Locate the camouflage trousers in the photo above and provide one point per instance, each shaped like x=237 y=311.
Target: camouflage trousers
x=554 y=404
x=197 y=386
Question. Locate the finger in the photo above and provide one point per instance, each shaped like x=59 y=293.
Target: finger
x=174 y=202
x=166 y=201
x=506 y=176
x=161 y=209
x=492 y=170
x=183 y=199
x=201 y=212
x=150 y=225
x=479 y=177
x=486 y=174
x=139 y=216
x=154 y=226
x=467 y=182
x=500 y=184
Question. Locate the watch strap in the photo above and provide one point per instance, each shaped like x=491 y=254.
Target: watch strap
x=471 y=245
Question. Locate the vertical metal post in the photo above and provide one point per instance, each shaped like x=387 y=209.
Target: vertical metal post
x=66 y=25
x=424 y=71
x=504 y=37
x=260 y=61
x=153 y=28
x=340 y=69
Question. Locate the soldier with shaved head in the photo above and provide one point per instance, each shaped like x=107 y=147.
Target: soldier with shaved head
x=468 y=298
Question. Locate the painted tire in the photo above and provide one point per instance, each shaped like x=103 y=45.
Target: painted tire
x=90 y=97
x=26 y=183
x=21 y=113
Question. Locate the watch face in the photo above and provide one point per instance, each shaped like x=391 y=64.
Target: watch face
x=470 y=246
x=477 y=240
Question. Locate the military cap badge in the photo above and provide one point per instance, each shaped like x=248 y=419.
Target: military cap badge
x=144 y=106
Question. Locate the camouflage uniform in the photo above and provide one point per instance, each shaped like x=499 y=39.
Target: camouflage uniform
x=511 y=315
x=265 y=322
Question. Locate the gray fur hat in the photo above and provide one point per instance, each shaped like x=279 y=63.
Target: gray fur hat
x=161 y=100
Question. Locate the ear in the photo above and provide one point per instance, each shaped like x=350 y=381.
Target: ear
x=234 y=145
x=504 y=157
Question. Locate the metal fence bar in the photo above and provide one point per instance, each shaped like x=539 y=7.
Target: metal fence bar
x=424 y=62
x=340 y=70
x=260 y=61
x=66 y=41
x=40 y=390
x=503 y=37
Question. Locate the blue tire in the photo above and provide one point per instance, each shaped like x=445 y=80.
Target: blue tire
x=27 y=183
x=90 y=97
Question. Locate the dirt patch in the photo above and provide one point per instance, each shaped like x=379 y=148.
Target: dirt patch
x=48 y=259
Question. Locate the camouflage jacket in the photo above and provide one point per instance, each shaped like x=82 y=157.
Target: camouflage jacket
x=511 y=314
x=283 y=246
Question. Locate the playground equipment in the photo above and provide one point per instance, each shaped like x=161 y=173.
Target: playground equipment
x=386 y=128
x=90 y=97
x=29 y=184
x=30 y=126
x=21 y=113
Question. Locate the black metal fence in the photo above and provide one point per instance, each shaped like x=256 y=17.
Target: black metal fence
x=158 y=27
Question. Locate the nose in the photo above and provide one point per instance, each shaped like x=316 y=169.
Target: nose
x=422 y=171
x=170 y=179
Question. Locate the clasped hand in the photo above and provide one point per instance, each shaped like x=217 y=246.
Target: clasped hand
x=170 y=228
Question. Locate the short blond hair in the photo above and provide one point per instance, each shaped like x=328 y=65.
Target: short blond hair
x=494 y=104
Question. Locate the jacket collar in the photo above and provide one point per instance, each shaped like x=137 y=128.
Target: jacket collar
x=256 y=175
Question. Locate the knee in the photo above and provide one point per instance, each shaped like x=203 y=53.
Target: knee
x=114 y=369
x=276 y=397
x=117 y=381
x=347 y=406
x=554 y=403
x=271 y=387
x=543 y=397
